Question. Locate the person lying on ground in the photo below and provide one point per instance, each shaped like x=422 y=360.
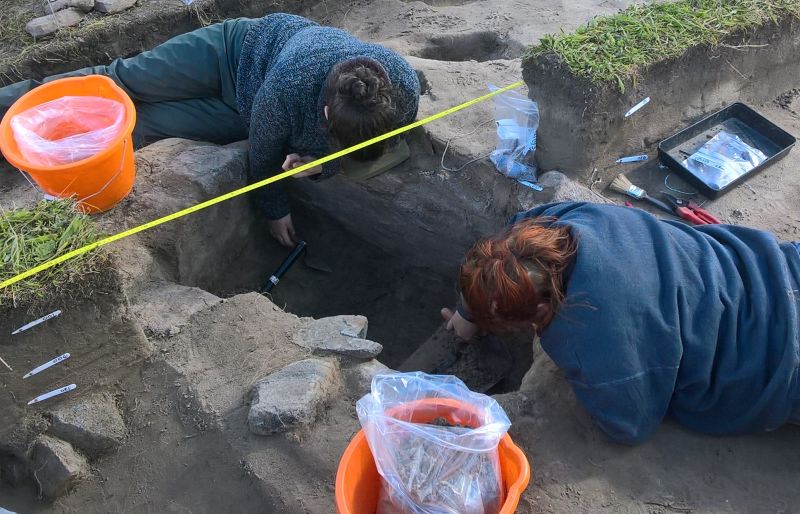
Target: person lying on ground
x=297 y=90
x=647 y=318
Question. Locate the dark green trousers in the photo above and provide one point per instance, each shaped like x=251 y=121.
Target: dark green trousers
x=184 y=88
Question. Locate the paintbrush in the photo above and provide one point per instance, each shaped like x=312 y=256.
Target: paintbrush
x=623 y=185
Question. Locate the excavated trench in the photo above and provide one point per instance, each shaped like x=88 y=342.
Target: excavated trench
x=395 y=268
x=401 y=300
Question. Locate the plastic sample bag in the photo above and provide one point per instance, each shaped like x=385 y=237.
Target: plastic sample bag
x=435 y=444
x=517 y=119
x=68 y=129
x=723 y=159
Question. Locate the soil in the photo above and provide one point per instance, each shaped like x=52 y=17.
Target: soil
x=185 y=407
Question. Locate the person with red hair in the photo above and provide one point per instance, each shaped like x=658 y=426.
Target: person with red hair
x=647 y=318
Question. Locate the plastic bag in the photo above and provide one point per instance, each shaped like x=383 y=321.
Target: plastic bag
x=68 y=129
x=430 y=469
x=723 y=159
x=517 y=119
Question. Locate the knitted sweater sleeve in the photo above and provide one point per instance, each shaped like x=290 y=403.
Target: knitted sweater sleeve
x=269 y=135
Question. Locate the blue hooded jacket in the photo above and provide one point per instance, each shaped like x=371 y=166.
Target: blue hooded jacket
x=660 y=318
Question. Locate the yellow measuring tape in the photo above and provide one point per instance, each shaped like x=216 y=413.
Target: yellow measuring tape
x=227 y=196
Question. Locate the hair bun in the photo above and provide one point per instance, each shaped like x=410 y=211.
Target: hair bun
x=364 y=85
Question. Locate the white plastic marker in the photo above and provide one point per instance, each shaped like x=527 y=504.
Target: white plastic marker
x=39 y=369
x=39 y=321
x=638 y=106
x=632 y=158
x=47 y=396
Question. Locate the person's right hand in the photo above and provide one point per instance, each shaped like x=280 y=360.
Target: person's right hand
x=464 y=329
x=294 y=160
x=283 y=230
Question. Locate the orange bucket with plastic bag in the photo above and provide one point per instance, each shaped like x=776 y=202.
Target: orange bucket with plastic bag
x=358 y=482
x=73 y=138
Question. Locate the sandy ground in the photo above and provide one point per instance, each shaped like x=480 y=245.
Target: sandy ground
x=460 y=47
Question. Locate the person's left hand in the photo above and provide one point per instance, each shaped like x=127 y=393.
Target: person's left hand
x=294 y=160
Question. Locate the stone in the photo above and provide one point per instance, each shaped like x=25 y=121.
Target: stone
x=338 y=335
x=560 y=188
x=46 y=25
x=358 y=378
x=92 y=424
x=58 y=5
x=164 y=308
x=293 y=396
x=56 y=466
x=113 y=6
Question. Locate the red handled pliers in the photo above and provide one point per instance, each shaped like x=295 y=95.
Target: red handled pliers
x=691 y=212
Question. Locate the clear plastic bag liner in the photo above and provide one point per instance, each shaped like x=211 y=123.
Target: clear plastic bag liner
x=68 y=129
x=429 y=469
x=723 y=159
x=517 y=119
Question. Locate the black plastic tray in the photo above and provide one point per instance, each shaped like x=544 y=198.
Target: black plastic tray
x=753 y=128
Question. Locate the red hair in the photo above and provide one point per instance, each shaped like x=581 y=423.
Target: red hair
x=506 y=278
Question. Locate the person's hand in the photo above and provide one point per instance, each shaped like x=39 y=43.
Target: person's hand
x=294 y=160
x=464 y=329
x=283 y=230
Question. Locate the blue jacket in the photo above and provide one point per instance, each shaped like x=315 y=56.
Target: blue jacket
x=284 y=64
x=660 y=318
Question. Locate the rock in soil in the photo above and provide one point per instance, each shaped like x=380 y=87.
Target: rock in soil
x=58 y=5
x=113 y=6
x=563 y=189
x=92 y=424
x=46 y=25
x=292 y=396
x=56 y=466
x=342 y=335
x=358 y=378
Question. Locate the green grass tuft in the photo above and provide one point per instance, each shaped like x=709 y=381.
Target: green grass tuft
x=29 y=237
x=614 y=49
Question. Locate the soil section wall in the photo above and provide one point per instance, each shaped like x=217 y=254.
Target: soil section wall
x=582 y=124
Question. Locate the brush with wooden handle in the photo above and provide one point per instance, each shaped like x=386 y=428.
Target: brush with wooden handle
x=623 y=185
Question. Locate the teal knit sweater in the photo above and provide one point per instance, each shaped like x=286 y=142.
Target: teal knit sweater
x=284 y=64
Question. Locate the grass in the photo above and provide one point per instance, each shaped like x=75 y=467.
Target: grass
x=29 y=237
x=614 y=49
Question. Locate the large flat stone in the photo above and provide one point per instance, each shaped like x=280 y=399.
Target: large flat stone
x=338 y=335
x=113 y=6
x=51 y=23
x=292 y=397
x=164 y=308
x=92 y=424
x=56 y=466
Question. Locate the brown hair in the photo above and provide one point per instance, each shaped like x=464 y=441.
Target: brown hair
x=506 y=278
x=362 y=104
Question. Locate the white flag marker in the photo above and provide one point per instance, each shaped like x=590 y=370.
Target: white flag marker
x=50 y=364
x=56 y=392
x=638 y=106
x=39 y=321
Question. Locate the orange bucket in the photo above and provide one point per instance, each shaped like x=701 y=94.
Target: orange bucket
x=358 y=482
x=98 y=182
